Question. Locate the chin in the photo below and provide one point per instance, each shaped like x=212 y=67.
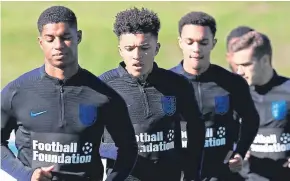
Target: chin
x=59 y=65
x=250 y=83
x=136 y=74
x=195 y=65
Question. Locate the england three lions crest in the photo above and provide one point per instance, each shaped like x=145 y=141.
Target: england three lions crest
x=279 y=110
x=222 y=104
x=168 y=105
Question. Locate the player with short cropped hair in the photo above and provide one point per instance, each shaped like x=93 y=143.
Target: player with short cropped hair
x=219 y=94
x=269 y=156
x=233 y=36
x=156 y=99
x=59 y=112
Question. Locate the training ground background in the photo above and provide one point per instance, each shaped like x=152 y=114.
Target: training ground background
x=98 y=50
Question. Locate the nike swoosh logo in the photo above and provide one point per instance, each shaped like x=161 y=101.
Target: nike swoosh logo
x=36 y=114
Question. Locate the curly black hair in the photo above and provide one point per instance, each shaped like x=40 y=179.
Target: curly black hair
x=136 y=20
x=56 y=14
x=238 y=32
x=198 y=18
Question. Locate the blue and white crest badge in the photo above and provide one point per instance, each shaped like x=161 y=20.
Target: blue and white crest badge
x=279 y=110
x=168 y=105
x=87 y=114
x=222 y=104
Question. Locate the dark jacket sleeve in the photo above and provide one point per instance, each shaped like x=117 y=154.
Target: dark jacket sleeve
x=245 y=107
x=119 y=126
x=195 y=132
x=9 y=163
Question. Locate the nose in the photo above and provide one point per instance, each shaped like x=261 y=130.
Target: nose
x=240 y=70
x=58 y=44
x=137 y=53
x=195 y=47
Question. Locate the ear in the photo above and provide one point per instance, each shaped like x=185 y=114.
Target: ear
x=266 y=59
x=229 y=56
x=214 y=43
x=120 y=50
x=40 y=42
x=157 y=48
x=180 y=42
x=80 y=36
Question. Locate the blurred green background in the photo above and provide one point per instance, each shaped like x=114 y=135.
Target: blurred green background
x=98 y=51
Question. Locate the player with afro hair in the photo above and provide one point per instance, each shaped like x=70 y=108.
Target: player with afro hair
x=152 y=101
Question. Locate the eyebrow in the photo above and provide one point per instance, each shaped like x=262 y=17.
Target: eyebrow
x=66 y=33
x=203 y=39
x=144 y=44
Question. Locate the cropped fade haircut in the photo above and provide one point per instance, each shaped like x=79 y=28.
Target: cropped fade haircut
x=56 y=14
x=238 y=32
x=260 y=43
x=198 y=18
x=135 y=21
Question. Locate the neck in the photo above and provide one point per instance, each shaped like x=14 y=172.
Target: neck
x=267 y=76
x=143 y=77
x=61 y=73
x=188 y=68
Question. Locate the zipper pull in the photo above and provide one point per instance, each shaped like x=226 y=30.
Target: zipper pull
x=61 y=89
x=61 y=86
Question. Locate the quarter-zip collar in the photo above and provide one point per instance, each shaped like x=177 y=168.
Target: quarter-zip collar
x=129 y=78
x=57 y=81
x=205 y=76
x=276 y=80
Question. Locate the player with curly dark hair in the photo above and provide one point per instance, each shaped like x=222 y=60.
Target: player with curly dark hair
x=220 y=94
x=156 y=99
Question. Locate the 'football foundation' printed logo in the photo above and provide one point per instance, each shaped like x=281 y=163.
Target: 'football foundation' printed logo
x=155 y=142
x=271 y=143
x=55 y=152
x=213 y=137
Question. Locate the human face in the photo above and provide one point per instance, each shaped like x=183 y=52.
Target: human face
x=249 y=67
x=196 y=43
x=138 y=52
x=59 y=43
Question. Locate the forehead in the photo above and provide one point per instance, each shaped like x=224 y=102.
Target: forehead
x=137 y=39
x=57 y=28
x=196 y=32
x=243 y=56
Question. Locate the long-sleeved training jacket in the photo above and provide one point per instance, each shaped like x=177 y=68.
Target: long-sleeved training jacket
x=155 y=107
x=271 y=147
x=60 y=123
x=220 y=94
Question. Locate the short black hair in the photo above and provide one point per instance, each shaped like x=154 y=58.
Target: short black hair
x=135 y=21
x=238 y=32
x=260 y=43
x=198 y=18
x=56 y=14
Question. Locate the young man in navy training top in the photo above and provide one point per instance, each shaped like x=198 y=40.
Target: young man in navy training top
x=156 y=99
x=219 y=94
x=59 y=112
x=269 y=155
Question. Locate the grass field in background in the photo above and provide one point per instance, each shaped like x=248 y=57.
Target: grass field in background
x=98 y=50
